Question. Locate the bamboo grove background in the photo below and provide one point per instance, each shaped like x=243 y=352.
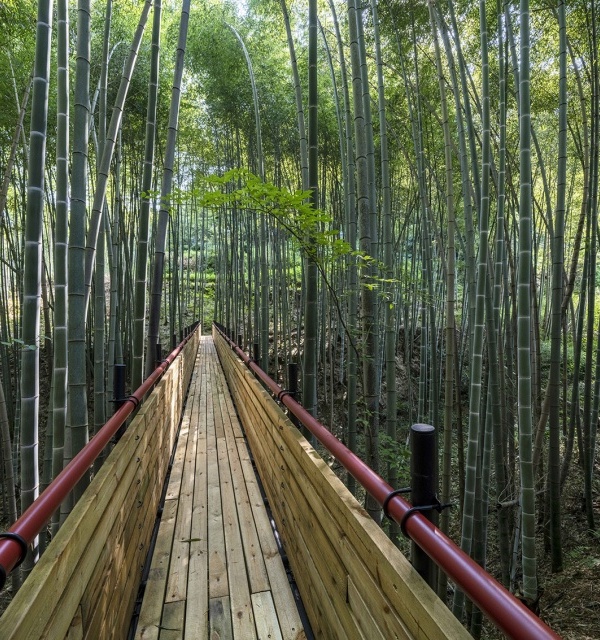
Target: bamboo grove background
x=452 y=146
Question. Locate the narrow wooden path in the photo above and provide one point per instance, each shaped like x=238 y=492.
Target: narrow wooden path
x=216 y=569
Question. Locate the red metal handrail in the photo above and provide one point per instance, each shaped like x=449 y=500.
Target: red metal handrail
x=508 y=613
x=33 y=519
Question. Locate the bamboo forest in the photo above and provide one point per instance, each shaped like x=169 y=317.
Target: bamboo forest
x=397 y=198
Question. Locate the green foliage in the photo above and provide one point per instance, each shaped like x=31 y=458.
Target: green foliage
x=310 y=228
x=394 y=454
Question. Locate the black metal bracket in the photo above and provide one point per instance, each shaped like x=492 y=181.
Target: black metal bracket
x=283 y=393
x=390 y=495
x=20 y=540
x=435 y=506
x=134 y=401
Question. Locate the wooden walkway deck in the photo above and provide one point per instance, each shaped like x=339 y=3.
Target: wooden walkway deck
x=216 y=569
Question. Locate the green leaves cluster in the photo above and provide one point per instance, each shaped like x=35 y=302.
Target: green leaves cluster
x=312 y=229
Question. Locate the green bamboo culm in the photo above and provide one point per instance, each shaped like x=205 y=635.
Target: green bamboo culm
x=499 y=402
x=369 y=372
x=76 y=433
x=524 y=318
x=475 y=393
x=59 y=375
x=311 y=312
x=141 y=266
x=99 y=310
x=450 y=293
x=108 y=152
x=165 y=192
x=352 y=270
x=32 y=274
x=298 y=96
x=553 y=476
x=264 y=274
x=591 y=391
x=388 y=260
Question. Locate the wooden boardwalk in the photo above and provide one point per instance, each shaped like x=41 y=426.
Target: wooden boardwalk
x=216 y=569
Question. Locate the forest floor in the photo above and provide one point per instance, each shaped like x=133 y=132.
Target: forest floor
x=570 y=599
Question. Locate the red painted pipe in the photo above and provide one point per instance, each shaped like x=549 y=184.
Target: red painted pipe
x=508 y=613
x=31 y=522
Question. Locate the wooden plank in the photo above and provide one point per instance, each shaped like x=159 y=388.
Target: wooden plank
x=218 y=585
x=171 y=625
x=233 y=417
x=220 y=619
x=178 y=574
x=257 y=572
x=217 y=389
x=177 y=469
x=154 y=596
x=239 y=592
x=283 y=598
x=75 y=631
x=365 y=621
x=267 y=625
x=196 y=620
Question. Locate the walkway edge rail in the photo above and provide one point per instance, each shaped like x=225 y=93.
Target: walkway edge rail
x=508 y=613
x=32 y=521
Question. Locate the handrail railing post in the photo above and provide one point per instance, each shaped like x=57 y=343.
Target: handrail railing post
x=256 y=352
x=423 y=492
x=119 y=394
x=293 y=388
